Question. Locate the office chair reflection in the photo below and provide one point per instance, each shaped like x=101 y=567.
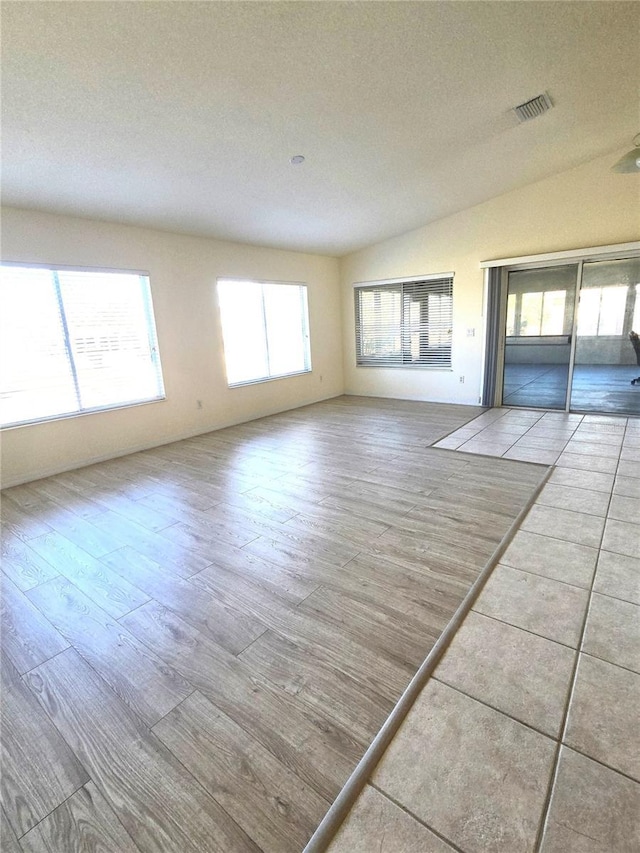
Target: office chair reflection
x=635 y=343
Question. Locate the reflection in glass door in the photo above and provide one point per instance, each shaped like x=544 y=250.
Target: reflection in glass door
x=540 y=317
x=606 y=359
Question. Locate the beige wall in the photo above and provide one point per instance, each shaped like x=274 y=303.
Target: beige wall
x=183 y=272
x=587 y=206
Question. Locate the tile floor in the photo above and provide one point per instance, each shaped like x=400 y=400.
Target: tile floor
x=526 y=736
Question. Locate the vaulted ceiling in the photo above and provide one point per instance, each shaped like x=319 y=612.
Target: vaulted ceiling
x=184 y=115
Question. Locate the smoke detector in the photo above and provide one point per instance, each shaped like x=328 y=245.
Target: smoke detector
x=533 y=108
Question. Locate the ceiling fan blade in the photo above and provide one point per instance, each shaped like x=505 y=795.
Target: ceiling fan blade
x=629 y=163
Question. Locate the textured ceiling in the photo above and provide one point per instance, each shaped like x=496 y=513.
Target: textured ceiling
x=184 y=115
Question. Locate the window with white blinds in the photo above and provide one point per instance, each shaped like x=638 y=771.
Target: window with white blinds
x=265 y=329
x=405 y=324
x=74 y=340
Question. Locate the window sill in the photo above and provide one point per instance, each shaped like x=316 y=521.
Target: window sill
x=66 y=416
x=267 y=379
x=407 y=367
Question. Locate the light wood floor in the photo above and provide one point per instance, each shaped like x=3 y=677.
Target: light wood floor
x=201 y=640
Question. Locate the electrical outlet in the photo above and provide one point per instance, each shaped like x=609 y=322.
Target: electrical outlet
x=462 y=380
x=471 y=333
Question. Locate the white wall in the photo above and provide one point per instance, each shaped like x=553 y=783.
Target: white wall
x=183 y=271
x=587 y=206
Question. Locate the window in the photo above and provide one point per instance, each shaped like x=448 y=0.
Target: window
x=405 y=324
x=602 y=310
x=265 y=329
x=536 y=313
x=74 y=341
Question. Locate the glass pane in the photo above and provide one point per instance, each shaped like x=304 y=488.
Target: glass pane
x=511 y=315
x=414 y=323
x=540 y=305
x=110 y=338
x=589 y=311
x=243 y=330
x=531 y=314
x=553 y=303
x=380 y=315
x=606 y=363
x=612 y=310
x=427 y=322
x=440 y=319
x=36 y=379
x=635 y=323
x=287 y=338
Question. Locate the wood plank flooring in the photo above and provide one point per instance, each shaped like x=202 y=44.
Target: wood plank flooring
x=201 y=640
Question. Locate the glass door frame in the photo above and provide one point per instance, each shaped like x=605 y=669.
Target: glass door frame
x=579 y=257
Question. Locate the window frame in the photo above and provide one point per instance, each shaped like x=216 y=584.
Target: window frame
x=405 y=330
x=303 y=289
x=152 y=333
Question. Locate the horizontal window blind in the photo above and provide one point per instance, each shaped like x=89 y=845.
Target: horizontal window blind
x=404 y=324
x=74 y=341
x=265 y=328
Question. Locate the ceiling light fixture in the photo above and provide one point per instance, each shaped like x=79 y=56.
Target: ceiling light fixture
x=630 y=163
x=297 y=160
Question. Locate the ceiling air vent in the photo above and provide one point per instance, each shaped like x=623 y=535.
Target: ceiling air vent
x=533 y=108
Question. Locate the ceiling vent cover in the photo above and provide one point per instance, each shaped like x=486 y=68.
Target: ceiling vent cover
x=533 y=108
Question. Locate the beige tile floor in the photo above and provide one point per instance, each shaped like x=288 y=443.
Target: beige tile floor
x=526 y=737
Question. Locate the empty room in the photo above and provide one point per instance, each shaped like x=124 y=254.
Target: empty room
x=320 y=427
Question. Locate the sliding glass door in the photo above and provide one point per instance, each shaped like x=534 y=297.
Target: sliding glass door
x=572 y=337
x=537 y=355
x=606 y=361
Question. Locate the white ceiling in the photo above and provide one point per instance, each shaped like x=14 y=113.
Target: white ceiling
x=183 y=115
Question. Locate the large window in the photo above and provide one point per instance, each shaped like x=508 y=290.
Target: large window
x=405 y=324
x=74 y=340
x=265 y=328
